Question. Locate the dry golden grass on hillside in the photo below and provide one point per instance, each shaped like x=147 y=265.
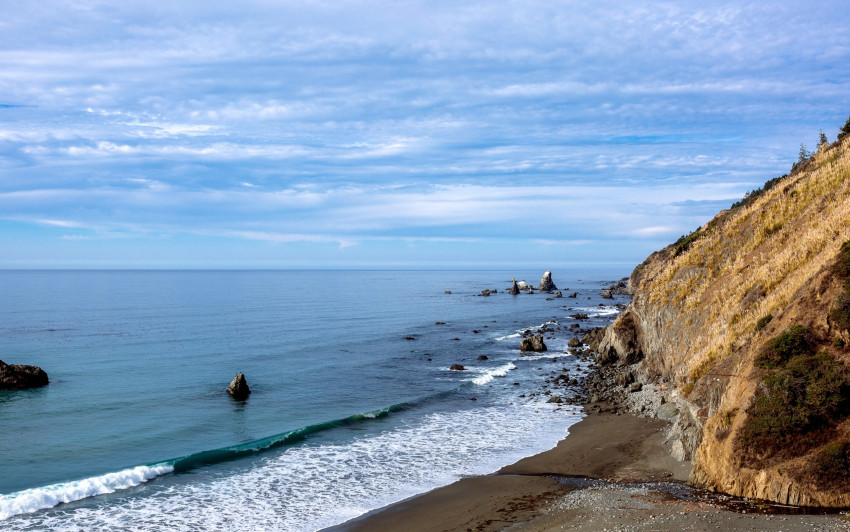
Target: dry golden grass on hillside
x=773 y=245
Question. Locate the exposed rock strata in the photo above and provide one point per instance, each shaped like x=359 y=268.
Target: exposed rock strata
x=691 y=334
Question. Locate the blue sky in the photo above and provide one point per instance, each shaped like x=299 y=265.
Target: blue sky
x=278 y=134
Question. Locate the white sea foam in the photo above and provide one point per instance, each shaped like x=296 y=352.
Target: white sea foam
x=488 y=376
x=508 y=336
x=310 y=487
x=34 y=499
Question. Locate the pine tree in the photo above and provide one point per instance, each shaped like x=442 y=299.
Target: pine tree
x=804 y=154
x=823 y=140
x=844 y=130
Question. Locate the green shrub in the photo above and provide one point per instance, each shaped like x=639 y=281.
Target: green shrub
x=841 y=313
x=763 y=321
x=796 y=406
x=753 y=194
x=832 y=464
x=795 y=341
x=685 y=241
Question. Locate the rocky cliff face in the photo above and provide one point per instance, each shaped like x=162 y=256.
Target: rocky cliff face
x=739 y=327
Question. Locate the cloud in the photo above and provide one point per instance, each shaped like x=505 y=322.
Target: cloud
x=441 y=124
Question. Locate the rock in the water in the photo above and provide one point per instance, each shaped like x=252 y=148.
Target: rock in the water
x=19 y=377
x=530 y=291
x=574 y=342
x=546 y=284
x=239 y=387
x=485 y=293
x=457 y=367
x=447 y=292
x=522 y=285
x=533 y=343
x=482 y=357
x=555 y=399
x=514 y=289
x=574 y=294
x=559 y=294
x=606 y=294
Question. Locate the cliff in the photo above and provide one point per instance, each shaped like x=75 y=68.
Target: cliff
x=741 y=327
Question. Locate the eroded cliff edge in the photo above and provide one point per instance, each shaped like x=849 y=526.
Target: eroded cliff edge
x=740 y=332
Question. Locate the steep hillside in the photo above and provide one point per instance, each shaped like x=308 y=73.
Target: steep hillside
x=742 y=327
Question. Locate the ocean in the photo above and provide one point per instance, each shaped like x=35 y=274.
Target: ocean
x=353 y=406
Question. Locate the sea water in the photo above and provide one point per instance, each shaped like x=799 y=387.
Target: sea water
x=353 y=405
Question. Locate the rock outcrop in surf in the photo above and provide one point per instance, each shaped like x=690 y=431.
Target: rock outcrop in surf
x=20 y=377
x=546 y=284
x=238 y=388
x=514 y=289
x=533 y=343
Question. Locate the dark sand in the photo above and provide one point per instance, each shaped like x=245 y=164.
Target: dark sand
x=624 y=449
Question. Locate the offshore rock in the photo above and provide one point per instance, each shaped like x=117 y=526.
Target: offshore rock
x=574 y=342
x=574 y=294
x=457 y=367
x=546 y=284
x=239 y=387
x=19 y=377
x=514 y=289
x=522 y=285
x=533 y=343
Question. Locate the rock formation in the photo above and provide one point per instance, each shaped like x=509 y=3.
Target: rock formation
x=533 y=343
x=725 y=317
x=514 y=289
x=457 y=367
x=546 y=284
x=19 y=377
x=238 y=388
x=522 y=285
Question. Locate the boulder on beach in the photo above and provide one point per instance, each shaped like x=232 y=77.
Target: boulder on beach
x=456 y=367
x=546 y=284
x=533 y=343
x=238 y=388
x=20 y=377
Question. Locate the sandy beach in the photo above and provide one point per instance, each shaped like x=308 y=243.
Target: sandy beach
x=620 y=476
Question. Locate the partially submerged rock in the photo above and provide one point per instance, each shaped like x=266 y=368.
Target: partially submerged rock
x=20 y=377
x=522 y=285
x=574 y=342
x=457 y=367
x=546 y=284
x=514 y=289
x=238 y=388
x=533 y=343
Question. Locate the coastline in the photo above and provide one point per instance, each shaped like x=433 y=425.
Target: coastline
x=614 y=470
x=618 y=475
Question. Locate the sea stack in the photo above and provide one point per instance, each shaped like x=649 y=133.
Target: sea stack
x=514 y=289
x=239 y=387
x=18 y=377
x=546 y=284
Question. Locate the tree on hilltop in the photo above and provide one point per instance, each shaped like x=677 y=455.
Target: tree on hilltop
x=844 y=130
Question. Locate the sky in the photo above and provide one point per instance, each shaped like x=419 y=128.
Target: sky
x=404 y=134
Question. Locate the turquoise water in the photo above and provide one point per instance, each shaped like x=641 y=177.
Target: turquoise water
x=346 y=415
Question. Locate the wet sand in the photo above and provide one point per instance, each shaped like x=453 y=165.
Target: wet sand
x=636 y=487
